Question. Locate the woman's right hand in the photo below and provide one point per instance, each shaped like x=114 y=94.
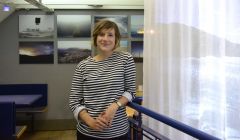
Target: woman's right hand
x=98 y=123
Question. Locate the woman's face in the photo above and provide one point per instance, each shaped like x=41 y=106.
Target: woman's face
x=106 y=40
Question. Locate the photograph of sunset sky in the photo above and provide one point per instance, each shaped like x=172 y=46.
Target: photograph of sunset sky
x=36 y=53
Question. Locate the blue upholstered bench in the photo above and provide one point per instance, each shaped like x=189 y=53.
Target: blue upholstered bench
x=27 y=89
x=17 y=90
x=8 y=128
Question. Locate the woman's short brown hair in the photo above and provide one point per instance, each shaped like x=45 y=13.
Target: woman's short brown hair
x=106 y=24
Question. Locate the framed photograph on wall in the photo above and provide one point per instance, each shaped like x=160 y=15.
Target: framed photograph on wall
x=73 y=26
x=123 y=46
x=36 y=52
x=36 y=26
x=73 y=51
x=137 y=50
x=137 y=26
x=120 y=20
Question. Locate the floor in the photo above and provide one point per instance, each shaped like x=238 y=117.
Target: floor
x=50 y=135
x=57 y=135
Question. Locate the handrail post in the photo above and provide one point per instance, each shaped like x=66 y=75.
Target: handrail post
x=139 y=130
x=138 y=134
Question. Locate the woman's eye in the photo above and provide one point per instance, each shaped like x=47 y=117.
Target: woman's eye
x=110 y=35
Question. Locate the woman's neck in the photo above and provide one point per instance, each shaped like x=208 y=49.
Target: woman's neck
x=102 y=56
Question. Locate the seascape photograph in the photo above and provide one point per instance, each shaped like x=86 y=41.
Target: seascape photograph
x=137 y=28
x=123 y=46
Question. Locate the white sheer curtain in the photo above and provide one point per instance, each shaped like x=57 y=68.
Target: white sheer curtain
x=192 y=65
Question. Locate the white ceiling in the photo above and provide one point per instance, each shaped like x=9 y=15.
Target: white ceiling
x=81 y=4
x=70 y=4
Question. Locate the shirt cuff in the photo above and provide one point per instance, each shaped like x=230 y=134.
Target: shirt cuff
x=128 y=96
x=76 y=112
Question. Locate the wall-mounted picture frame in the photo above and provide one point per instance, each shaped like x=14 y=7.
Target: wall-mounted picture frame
x=137 y=26
x=120 y=20
x=36 y=26
x=72 y=52
x=123 y=46
x=73 y=26
x=137 y=50
x=36 y=52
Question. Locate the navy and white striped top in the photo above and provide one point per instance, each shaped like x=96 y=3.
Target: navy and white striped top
x=97 y=84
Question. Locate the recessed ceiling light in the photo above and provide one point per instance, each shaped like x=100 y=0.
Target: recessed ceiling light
x=6 y=8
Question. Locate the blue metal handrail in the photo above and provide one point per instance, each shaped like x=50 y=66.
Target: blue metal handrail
x=171 y=122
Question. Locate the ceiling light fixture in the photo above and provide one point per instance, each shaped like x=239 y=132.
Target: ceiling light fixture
x=6 y=8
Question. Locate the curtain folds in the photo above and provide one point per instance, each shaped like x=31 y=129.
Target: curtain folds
x=192 y=64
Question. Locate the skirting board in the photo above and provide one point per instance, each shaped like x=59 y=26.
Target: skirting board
x=45 y=125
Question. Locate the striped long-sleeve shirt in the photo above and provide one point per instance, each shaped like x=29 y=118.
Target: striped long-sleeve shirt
x=97 y=84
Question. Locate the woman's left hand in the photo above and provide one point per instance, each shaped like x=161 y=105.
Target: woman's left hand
x=109 y=113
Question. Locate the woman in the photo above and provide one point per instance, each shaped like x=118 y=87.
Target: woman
x=102 y=86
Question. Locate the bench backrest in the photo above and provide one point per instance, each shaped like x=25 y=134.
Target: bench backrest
x=26 y=89
x=7 y=120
